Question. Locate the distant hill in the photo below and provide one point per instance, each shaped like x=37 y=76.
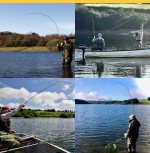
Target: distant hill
x=79 y=101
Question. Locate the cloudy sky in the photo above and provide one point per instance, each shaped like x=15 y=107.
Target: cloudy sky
x=21 y=18
x=17 y=91
x=112 y=88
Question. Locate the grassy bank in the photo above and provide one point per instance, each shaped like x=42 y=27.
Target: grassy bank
x=25 y=49
x=144 y=101
x=27 y=113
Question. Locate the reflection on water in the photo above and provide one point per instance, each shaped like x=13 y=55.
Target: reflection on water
x=31 y=64
x=112 y=67
x=58 y=131
x=97 y=125
x=104 y=67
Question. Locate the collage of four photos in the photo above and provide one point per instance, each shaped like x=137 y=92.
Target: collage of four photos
x=75 y=78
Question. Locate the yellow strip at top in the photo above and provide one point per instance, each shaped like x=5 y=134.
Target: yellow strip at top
x=74 y=1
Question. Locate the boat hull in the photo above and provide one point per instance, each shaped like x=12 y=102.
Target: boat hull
x=122 y=54
x=36 y=146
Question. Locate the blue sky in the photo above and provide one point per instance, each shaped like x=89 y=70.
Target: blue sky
x=14 y=18
x=15 y=91
x=112 y=88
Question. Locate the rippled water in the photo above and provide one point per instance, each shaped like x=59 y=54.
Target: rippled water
x=59 y=131
x=111 y=67
x=34 y=64
x=97 y=125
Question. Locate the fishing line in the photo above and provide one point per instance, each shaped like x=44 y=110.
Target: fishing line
x=128 y=91
x=119 y=25
x=41 y=91
x=50 y=19
x=55 y=25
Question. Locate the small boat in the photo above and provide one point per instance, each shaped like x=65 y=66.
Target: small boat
x=31 y=144
x=120 y=53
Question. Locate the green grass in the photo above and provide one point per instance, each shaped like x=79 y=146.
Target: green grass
x=144 y=101
x=24 y=49
x=135 y=6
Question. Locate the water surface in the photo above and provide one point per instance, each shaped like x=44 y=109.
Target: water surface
x=34 y=64
x=59 y=131
x=111 y=67
x=97 y=125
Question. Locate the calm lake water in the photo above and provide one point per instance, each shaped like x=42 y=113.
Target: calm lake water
x=112 y=67
x=34 y=64
x=59 y=131
x=97 y=125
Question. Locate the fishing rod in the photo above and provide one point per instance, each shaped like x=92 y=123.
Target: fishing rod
x=93 y=26
x=119 y=25
x=41 y=91
x=128 y=90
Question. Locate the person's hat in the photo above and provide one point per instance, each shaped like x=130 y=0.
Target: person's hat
x=99 y=34
x=132 y=116
x=65 y=38
x=6 y=108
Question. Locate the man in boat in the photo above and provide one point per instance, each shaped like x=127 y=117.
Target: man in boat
x=7 y=140
x=132 y=133
x=100 y=42
x=139 y=37
x=67 y=51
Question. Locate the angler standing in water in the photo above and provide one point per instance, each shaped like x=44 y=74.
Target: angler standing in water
x=8 y=140
x=132 y=133
x=67 y=50
x=100 y=42
x=139 y=37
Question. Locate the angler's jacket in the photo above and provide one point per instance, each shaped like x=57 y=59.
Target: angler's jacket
x=133 y=128
x=5 y=125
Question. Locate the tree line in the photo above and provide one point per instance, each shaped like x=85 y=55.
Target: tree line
x=129 y=101
x=105 y=17
x=30 y=113
x=9 y=39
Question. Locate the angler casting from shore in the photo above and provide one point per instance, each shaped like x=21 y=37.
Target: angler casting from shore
x=132 y=133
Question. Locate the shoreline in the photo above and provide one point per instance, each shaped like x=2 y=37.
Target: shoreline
x=26 y=49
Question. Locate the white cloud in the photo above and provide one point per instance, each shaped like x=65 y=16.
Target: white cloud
x=66 y=104
x=1 y=105
x=66 y=87
x=143 y=88
x=43 y=99
x=72 y=95
x=90 y=96
x=13 y=105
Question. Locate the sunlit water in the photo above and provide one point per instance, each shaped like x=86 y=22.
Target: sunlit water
x=59 y=131
x=34 y=64
x=97 y=125
x=112 y=67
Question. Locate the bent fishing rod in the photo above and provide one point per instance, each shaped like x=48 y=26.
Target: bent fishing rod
x=41 y=91
x=128 y=91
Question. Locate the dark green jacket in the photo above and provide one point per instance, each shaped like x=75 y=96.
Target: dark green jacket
x=133 y=128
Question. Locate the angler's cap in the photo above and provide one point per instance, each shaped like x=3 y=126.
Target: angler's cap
x=65 y=38
x=132 y=116
x=6 y=108
x=99 y=34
